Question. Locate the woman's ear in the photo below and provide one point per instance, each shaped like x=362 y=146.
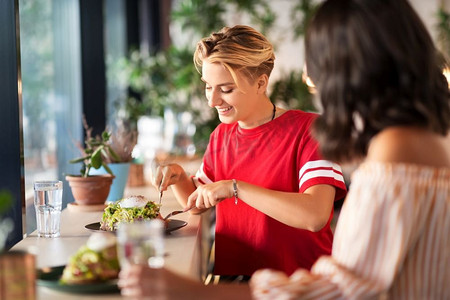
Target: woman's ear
x=262 y=83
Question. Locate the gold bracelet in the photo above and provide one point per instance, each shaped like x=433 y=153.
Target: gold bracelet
x=235 y=192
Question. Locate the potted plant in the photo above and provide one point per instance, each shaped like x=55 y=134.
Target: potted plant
x=90 y=189
x=122 y=142
x=6 y=224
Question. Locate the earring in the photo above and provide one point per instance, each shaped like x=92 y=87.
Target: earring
x=358 y=121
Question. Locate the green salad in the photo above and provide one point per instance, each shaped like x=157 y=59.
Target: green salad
x=114 y=214
x=95 y=264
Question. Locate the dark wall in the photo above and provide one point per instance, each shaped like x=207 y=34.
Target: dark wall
x=132 y=15
x=93 y=64
x=11 y=165
x=148 y=24
x=143 y=30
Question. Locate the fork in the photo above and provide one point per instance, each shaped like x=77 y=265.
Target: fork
x=160 y=196
x=176 y=212
x=155 y=166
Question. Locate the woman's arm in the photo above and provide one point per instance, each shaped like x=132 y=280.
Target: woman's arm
x=142 y=282
x=174 y=175
x=309 y=210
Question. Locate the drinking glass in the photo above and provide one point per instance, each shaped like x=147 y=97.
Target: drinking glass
x=48 y=203
x=141 y=242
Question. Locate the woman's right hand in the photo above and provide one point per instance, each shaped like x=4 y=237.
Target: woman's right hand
x=165 y=175
x=143 y=282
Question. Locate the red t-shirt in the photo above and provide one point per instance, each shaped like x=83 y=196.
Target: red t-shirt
x=279 y=155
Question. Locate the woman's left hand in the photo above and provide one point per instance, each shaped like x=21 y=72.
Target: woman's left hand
x=209 y=195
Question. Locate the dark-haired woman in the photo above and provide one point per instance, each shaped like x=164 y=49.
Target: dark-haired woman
x=385 y=104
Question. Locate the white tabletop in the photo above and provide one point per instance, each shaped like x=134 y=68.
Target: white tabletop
x=183 y=246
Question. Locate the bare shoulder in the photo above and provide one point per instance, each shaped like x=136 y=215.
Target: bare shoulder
x=410 y=145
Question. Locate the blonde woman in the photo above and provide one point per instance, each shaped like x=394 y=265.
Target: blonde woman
x=272 y=191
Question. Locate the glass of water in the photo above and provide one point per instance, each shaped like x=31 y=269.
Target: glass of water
x=141 y=242
x=48 y=203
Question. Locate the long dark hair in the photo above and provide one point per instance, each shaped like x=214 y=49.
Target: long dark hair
x=374 y=65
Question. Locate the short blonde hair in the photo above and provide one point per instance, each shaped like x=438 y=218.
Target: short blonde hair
x=241 y=49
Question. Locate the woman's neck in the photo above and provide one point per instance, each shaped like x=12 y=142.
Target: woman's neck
x=268 y=114
x=410 y=145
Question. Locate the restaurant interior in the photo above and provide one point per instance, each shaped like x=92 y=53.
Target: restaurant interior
x=72 y=69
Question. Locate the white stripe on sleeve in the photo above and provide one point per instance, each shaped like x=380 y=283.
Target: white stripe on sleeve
x=200 y=175
x=314 y=164
x=331 y=173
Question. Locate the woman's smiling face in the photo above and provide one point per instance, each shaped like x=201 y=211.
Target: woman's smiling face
x=233 y=103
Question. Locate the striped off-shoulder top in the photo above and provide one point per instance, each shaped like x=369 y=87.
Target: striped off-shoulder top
x=392 y=241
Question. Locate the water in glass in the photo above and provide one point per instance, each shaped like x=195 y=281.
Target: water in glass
x=48 y=203
x=141 y=243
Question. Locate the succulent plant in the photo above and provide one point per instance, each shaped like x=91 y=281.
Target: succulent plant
x=97 y=153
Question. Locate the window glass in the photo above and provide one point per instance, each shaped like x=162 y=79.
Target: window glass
x=51 y=93
x=37 y=94
x=115 y=50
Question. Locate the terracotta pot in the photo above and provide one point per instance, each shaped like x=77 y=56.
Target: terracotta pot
x=121 y=171
x=91 y=190
x=136 y=175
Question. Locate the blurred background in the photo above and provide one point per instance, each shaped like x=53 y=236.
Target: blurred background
x=126 y=65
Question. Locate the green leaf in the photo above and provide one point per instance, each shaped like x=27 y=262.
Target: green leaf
x=114 y=155
x=106 y=136
x=96 y=159
x=94 y=143
x=80 y=159
x=108 y=169
x=104 y=152
x=5 y=201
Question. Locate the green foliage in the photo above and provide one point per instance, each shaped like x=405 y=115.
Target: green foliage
x=199 y=16
x=5 y=201
x=292 y=91
x=203 y=132
x=6 y=224
x=96 y=153
x=261 y=15
x=149 y=77
x=168 y=78
x=443 y=31
x=203 y=16
x=301 y=15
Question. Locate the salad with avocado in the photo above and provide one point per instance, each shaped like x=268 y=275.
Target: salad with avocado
x=94 y=262
x=124 y=212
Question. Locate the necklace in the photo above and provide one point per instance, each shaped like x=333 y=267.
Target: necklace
x=253 y=125
x=274 y=111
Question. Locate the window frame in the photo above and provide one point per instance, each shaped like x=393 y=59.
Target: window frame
x=11 y=152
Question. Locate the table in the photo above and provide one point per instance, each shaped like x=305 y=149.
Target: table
x=184 y=246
